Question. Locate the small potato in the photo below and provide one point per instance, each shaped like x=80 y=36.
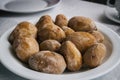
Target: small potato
x=43 y=20
x=82 y=40
x=80 y=23
x=51 y=45
x=61 y=20
x=72 y=56
x=99 y=36
x=23 y=29
x=48 y=62
x=94 y=55
x=25 y=47
x=67 y=30
x=51 y=31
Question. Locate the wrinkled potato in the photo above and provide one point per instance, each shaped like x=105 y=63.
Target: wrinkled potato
x=72 y=56
x=23 y=29
x=43 y=20
x=67 y=30
x=80 y=23
x=48 y=62
x=99 y=36
x=94 y=55
x=61 y=20
x=51 y=45
x=51 y=31
x=25 y=47
x=82 y=40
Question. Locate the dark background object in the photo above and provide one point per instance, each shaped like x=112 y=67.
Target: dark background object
x=102 y=1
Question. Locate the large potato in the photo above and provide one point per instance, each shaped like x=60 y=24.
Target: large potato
x=51 y=31
x=23 y=29
x=80 y=23
x=51 y=45
x=82 y=40
x=94 y=55
x=48 y=62
x=72 y=56
x=61 y=20
x=43 y=20
x=25 y=47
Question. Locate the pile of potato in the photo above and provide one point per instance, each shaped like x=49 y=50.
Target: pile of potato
x=52 y=46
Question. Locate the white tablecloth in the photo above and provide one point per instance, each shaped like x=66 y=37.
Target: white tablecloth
x=69 y=8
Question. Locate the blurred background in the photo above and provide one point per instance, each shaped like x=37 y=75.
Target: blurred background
x=101 y=1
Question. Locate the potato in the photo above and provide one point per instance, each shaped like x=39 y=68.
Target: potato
x=51 y=45
x=67 y=30
x=48 y=62
x=51 y=31
x=94 y=55
x=98 y=35
x=43 y=20
x=82 y=40
x=80 y=23
x=23 y=29
x=25 y=47
x=72 y=56
x=61 y=20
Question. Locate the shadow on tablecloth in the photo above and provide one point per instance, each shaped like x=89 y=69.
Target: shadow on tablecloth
x=7 y=75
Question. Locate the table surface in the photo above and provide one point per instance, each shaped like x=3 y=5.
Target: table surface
x=69 y=8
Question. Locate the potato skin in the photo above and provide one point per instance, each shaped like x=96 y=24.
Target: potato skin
x=61 y=20
x=82 y=40
x=94 y=55
x=25 y=47
x=72 y=56
x=48 y=62
x=80 y=23
x=98 y=35
x=51 y=45
x=43 y=20
x=67 y=30
x=23 y=29
x=51 y=31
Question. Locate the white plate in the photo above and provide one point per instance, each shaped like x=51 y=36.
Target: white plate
x=112 y=59
x=112 y=14
x=27 y=6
